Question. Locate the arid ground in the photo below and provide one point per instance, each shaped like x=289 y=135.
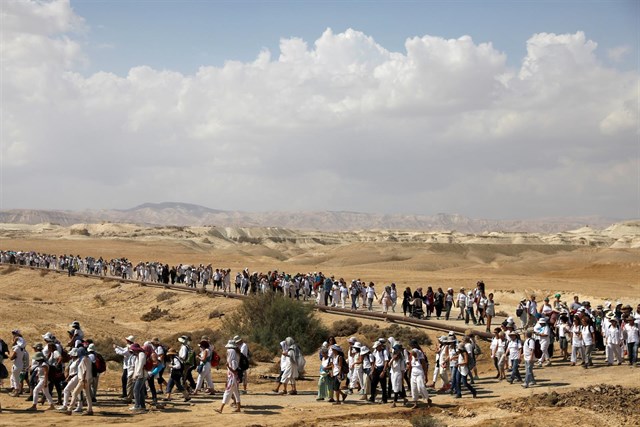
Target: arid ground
x=36 y=302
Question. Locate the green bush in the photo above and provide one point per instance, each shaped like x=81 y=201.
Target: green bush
x=402 y=334
x=344 y=328
x=269 y=319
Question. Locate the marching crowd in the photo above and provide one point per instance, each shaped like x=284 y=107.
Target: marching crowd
x=385 y=370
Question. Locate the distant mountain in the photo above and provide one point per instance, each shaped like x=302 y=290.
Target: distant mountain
x=185 y=214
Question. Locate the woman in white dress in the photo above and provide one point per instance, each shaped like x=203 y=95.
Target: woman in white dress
x=397 y=368
x=417 y=368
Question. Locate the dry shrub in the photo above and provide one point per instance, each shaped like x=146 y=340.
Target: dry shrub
x=9 y=270
x=402 y=334
x=215 y=314
x=37 y=299
x=154 y=314
x=268 y=319
x=214 y=337
x=502 y=313
x=104 y=346
x=164 y=296
x=425 y=421
x=275 y=368
x=99 y=300
x=261 y=354
x=79 y=232
x=344 y=328
x=43 y=273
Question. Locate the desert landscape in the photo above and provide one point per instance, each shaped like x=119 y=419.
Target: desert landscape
x=596 y=264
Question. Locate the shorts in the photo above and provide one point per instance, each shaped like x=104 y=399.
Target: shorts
x=336 y=383
x=564 y=344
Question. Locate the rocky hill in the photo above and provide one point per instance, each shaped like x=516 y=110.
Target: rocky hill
x=184 y=214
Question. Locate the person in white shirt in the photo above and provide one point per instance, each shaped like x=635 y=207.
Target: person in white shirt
x=18 y=366
x=632 y=337
x=397 y=368
x=378 y=375
x=371 y=295
x=613 y=341
x=514 y=355
x=126 y=356
x=577 y=346
x=461 y=303
x=543 y=331
x=563 y=331
x=532 y=310
x=244 y=349
x=41 y=371
x=529 y=359
x=417 y=370
x=71 y=379
x=84 y=383
x=588 y=339
x=231 y=389
x=139 y=377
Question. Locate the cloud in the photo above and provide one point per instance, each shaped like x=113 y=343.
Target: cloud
x=617 y=54
x=337 y=123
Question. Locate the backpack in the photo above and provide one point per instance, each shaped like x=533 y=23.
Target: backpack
x=300 y=362
x=148 y=365
x=345 y=366
x=215 y=359
x=244 y=363
x=476 y=349
x=191 y=357
x=4 y=348
x=64 y=354
x=100 y=363
x=519 y=311
x=537 y=349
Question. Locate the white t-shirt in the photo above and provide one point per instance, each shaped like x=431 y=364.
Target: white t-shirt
x=381 y=357
x=631 y=333
x=527 y=349
x=576 y=334
x=514 y=348
x=586 y=332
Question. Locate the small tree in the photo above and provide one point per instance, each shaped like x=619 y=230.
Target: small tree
x=269 y=319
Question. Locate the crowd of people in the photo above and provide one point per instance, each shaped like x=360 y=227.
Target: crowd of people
x=385 y=370
x=326 y=290
x=72 y=368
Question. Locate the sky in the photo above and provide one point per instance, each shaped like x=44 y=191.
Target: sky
x=492 y=109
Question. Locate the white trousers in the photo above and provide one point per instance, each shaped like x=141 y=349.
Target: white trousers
x=68 y=390
x=40 y=387
x=203 y=376
x=418 y=389
x=613 y=351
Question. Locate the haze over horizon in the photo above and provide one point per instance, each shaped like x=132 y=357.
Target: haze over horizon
x=495 y=110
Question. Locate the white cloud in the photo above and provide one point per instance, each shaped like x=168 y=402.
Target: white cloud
x=339 y=123
x=617 y=54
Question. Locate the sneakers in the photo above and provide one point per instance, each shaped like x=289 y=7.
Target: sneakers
x=525 y=386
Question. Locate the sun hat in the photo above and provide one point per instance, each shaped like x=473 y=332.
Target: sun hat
x=171 y=352
x=610 y=315
x=452 y=334
x=364 y=350
x=357 y=344
x=38 y=356
x=38 y=346
x=237 y=338
x=557 y=295
x=91 y=347
x=542 y=320
x=352 y=340
x=73 y=352
x=130 y=338
x=512 y=333
x=230 y=344
x=48 y=337
x=336 y=347
x=75 y=324
x=155 y=340
x=183 y=339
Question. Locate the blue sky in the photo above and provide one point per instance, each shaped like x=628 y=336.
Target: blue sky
x=184 y=35
x=395 y=110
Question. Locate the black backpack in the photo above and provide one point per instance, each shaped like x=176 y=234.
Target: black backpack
x=244 y=362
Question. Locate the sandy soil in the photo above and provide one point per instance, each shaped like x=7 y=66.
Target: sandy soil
x=37 y=303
